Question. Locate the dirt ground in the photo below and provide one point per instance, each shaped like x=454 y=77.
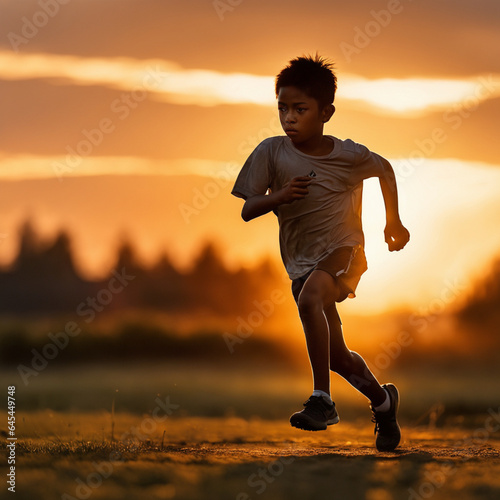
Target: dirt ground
x=102 y=456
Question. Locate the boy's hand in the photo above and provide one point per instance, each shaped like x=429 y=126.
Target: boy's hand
x=296 y=189
x=261 y=204
x=396 y=235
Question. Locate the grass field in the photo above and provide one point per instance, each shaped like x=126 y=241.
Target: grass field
x=71 y=456
x=197 y=432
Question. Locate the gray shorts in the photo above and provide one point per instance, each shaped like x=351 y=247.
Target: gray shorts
x=345 y=265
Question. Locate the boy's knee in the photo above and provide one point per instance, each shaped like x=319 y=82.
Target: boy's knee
x=317 y=295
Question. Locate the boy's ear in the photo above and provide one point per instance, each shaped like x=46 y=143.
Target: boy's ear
x=328 y=112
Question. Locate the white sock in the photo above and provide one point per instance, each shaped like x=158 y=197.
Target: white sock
x=324 y=395
x=386 y=405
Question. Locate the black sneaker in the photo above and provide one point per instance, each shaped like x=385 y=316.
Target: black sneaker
x=316 y=415
x=386 y=425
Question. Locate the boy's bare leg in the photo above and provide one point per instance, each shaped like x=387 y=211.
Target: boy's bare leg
x=349 y=364
x=317 y=291
x=325 y=341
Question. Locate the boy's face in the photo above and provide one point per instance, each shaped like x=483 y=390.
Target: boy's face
x=301 y=116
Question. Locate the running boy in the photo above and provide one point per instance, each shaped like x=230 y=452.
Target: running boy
x=313 y=183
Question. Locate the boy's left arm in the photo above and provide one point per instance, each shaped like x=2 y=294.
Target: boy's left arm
x=396 y=235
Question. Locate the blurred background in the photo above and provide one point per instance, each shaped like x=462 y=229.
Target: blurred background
x=126 y=270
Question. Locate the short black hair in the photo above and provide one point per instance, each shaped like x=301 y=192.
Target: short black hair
x=312 y=75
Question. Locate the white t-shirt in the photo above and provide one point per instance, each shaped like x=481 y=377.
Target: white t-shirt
x=329 y=217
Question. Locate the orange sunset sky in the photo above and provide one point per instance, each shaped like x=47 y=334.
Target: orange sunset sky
x=133 y=117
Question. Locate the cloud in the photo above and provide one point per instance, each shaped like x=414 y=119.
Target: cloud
x=57 y=167
x=420 y=94
x=168 y=82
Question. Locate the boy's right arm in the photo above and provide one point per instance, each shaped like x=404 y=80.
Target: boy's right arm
x=261 y=204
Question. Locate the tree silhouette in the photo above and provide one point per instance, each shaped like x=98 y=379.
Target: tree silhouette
x=127 y=258
x=42 y=276
x=166 y=287
x=483 y=306
x=29 y=248
x=44 y=279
